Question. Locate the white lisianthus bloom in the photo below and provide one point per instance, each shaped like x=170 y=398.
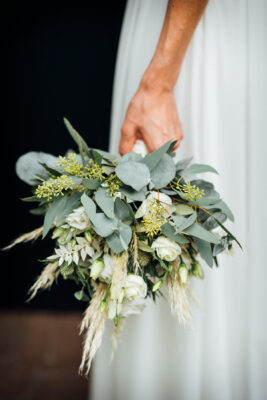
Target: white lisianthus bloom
x=135 y=287
x=140 y=147
x=163 y=198
x=131 y=307
x=166 y=248
x=107 y=272
x=96 y=268
x=78 y=219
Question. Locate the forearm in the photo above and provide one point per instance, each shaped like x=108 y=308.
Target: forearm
x=182 y=17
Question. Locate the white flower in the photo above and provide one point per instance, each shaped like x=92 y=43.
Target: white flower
x=135 y=287
x=114 y=308
x=140 y=148
x=166 y=248
x=107 y=272
x=96 y=268
x=163 y=198
x=132 y=307
x=78 y=219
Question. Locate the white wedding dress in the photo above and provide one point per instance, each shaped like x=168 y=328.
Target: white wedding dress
x=220 y=96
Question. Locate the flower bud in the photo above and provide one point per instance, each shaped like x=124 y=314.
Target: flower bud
x=197 y=270
x=116 y=320
x=183 y=273
x=96 y=268
x=157 y=285
x=73 y=242
x=88 y=236
x=58 y=232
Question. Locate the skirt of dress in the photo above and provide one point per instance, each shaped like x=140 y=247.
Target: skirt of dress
x=221 y=101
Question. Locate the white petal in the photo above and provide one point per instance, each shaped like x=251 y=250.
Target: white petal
x=76 y=257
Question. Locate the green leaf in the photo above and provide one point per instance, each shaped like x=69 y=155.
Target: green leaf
x=206 y=201
x=134 y=174
x=182 y=223
x=221 y=205
x=123 y=211
x=31 y=199
x=82 y=145
x=170 y=149
x=220 y=247
x=125 y=234
x=105 y=202
x=81 y=296
x=201 y=233
x=132 y=156
x=198 y=169
x=211 y=223
x=28 y=166
x=51 y=171
x=204 y=250
x=89 y=206
x=114 y=242
x=182 y=164
x=96 y=156
x=183 y=209
x=227 y=231
x=103 y=225
x=51 y=213
x=164 y=172
x=152 y=159
x=133 y=194
x=91 y=184
x=107 y=156
x=72 y=201
x=168 y=230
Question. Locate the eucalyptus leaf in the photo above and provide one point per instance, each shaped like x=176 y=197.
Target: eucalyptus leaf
x=183 y=209
x=82 y=145
x=198 y=169
x=72 y=201
x=168 y=230
x=132 y=194
x=103 y=225
x=96 y=156
x=134 y=174
x=152 y=159
x=182 y=223
x=105 y=202
x=51 y=213
x=89 y=206
x=114 y=242
x=182 y=164
x=107 y=156
x=51 y=171
x=132 y=156
x=201 y=233
x=91 y=184
x=28 y=166
x=221 y=205
x=220 y=247
x=123 y=211
x=211 y=223
x=81 y=296
x=204 y=250
x=125 y=234
x=164 y=172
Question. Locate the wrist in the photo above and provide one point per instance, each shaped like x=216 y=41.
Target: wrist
x=160 y=76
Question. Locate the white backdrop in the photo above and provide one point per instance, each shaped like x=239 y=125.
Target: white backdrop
x=221 y=100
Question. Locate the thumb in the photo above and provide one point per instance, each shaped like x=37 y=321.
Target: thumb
x=128 y=137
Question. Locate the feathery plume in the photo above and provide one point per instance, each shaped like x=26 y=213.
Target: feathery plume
x=116 y=335
x=45 y=280
x=26 y=237
x=93 y=323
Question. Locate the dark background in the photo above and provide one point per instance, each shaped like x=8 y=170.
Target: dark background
x=55 y=61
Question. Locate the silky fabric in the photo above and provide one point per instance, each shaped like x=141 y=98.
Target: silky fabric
x=220 y=97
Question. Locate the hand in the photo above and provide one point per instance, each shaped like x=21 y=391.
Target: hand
x=151 y=116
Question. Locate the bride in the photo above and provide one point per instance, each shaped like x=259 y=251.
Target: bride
x=198 y=79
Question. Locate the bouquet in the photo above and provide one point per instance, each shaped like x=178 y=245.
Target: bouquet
x=125 y=229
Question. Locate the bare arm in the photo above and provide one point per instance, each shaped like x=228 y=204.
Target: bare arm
x=152 y=114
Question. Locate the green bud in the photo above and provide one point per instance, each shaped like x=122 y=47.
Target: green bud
x=121 y=295
x=58 y=232
x=157 y=285
x=197 y=270
x=88 y=236
x=96 y=268
x=183 y=273
x=103 y=305
x=116 y=320
x=73 y=242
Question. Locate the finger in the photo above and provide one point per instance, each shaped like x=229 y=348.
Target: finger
x=128 y=137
